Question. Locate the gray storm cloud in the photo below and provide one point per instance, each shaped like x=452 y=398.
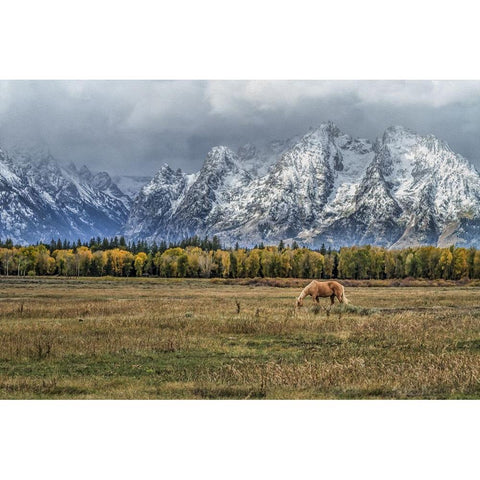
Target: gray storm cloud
x=132 y=127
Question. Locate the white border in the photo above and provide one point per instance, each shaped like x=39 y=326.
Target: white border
x=248 y=39
x=238 y=440
x=239 y=40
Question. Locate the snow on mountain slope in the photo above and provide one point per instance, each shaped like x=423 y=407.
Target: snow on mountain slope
x=40 y=200
x=324 y=187
x=288 y=200
x=434 y=185
x=258 y=159
x=152 y=208
x=227 y=200
x=317 y=169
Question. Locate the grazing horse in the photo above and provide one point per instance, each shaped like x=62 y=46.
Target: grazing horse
x=317 y=289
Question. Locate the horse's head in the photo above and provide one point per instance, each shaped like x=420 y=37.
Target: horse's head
x=299 y=302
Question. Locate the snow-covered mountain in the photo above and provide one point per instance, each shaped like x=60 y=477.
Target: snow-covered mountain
x=41 y=200
x=323 y=187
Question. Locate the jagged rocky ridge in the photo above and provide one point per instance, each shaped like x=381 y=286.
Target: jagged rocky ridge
x=41 y=200
x=325 y=187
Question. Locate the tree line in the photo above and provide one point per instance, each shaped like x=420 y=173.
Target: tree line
x=98 y=243
x=206 y=258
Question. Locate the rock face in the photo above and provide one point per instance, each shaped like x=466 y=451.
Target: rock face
x=40 y=200
x=325 y=187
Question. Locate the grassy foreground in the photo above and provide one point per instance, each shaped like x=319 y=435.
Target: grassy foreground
x=169 y=339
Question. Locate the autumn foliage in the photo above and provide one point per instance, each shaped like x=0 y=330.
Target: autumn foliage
x=192 y=261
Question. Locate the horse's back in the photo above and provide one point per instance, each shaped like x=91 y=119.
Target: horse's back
x=325 y=283
x=325 y=288
x=334 y=287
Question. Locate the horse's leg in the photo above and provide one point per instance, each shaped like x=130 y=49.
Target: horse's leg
x=327 y=310
x=332 y=301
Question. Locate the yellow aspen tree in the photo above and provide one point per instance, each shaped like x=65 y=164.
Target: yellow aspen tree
x=460 y=263
x=139 y=262
x=286 y=260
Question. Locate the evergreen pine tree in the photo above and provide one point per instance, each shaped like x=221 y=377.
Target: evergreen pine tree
x=335 y=265
x=216 y=243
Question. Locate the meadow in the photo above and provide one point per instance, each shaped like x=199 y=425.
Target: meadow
x=153 y=338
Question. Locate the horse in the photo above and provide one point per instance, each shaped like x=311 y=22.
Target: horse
x=318 y=289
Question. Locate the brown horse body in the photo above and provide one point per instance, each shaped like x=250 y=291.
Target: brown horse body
x=318 y=289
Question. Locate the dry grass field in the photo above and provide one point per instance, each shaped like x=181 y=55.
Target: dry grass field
x=171 y=339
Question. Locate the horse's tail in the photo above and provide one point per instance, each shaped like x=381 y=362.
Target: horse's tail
x=344 y=298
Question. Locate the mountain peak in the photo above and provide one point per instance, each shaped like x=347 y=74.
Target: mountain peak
x=165 y=172
x=101 y=180
x=165 y=167
x=398 y=133
x=221 y=159
x=85 y=173
x=220 y=152
x=163 y=179
x=434 y=144
x=323 y=132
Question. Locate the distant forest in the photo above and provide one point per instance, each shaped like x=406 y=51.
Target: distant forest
x=196 y=257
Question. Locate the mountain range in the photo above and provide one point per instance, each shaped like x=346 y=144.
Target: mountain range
x=41 y=200
x=323 y=187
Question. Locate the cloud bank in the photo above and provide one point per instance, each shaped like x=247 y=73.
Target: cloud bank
x=133 y=127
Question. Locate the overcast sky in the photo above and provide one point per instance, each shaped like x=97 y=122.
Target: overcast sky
x=133 y=127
